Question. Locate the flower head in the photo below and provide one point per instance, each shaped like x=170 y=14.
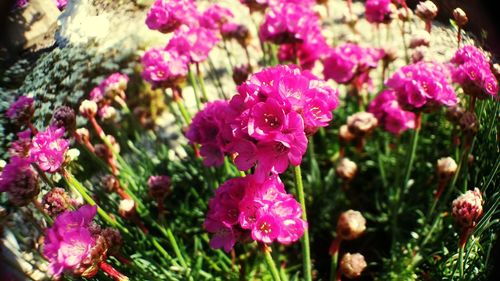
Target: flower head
x=389 y=113
x=167 y=15
x=379 y=11
x=467 y=209
x=69 y=242
x=56 y=201
x=346 y=169
x=310 y=50
x=164 y=68
x=422 y=85
x=48 y=149
x=195 y=43
x=64 y=117
x=351 y=225
x=20 y=181
x=352 y=265
x=21 y=111
x=361 y=123
x=215 y=16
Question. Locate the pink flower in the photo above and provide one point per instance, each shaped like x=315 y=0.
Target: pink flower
x=61 y=4
x=21 y=110
x=467 y=208
x=386 y=109
x=116 y=82
x=422 y=85
x=164 y=68
x=378 y=11
x=263 y=210
x=307 y=53
x=20 y=181
x=193 y=42
x=21 y=147
x=167 y=15
x=288 y=23
x=350 y=62
x=471 y=69
x=48 y=149
x=211 y=129
x=215 y=16
x=69 y=241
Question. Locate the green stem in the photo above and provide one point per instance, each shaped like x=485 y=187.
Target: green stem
x=274 y=54
x=271 y=265
x=78 y=187
x=461 y=261
x=183 y=110
x=202 y=82
x=333 y=268
x=306 y=252
x=192 y=82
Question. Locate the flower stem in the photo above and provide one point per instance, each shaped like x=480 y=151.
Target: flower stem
x=202 y=82
x=180 y=104
x=117 y=276
x=79 y=188
x=195 y=89
x=271 y=264
x=306 y=252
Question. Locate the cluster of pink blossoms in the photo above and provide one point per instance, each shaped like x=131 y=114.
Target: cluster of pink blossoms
x=195 y=34
x=287 y=23
x=386 y=109
x=167 y=15
x=378 y=11
x=270 y=118
x=471 y=69
x=244 y=207
x=21 y=110
x=422 y=85
x=48 y=149
x=107 y=91
x=351 y=63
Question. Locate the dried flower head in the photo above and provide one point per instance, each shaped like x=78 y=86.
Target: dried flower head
x=351 y=225
x=56 y=201
x=446 y=168
x=64 y=117
x=362 y=124
x=159 y=186
x=346 y=169
x=352 y=265
x=468 y=208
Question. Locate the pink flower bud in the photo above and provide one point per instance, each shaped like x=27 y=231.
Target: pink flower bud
x=427 y=10
x=88 y=108
x=351 y=225
x=446 y=168
x=126 y=208
x=460 y=17
x=352 y=265
x=346 y=169
x=468 y=208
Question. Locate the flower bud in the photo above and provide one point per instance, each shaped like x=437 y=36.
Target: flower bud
x=345 y=135
x=159 y=186
x=460 y=17
x=346 y=169
x=420 y=38
x=64 y=117
x=454 y=114
x=469 y=123
x=427 y=10
x=446 y=168
x=113 y=238
x=468 y=208
x=362 y=123
x=110 y=183
x=107 y=112
x=21 y=111
x=241 y=73
x=126 y=208
x=56 y=201
x=351 y=225
x=88 y=108
x=352 y=265
x=82 y=135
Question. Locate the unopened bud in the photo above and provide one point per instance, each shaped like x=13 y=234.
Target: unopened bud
x=346 y=169
x=126 y=208
x=345 y=135
x=352 y=265
x=64 y=117
x=467 y=209
x=460 y=17
x=446 y=168
x=241 y=73
x=351 y=225
x=362 y=123
x=427 y=10
x=88 y=108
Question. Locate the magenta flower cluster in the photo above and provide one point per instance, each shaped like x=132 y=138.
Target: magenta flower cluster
x=48 y=149
x=266 y=124
x=378 y=11
x=244 y=207
x=422 y=85
x=69 y=241
x=21 y=110
x=389 y=113
x=287 y=23
x=167 y=15
x=471 y=69
x=163 y=68
x=351 y=63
